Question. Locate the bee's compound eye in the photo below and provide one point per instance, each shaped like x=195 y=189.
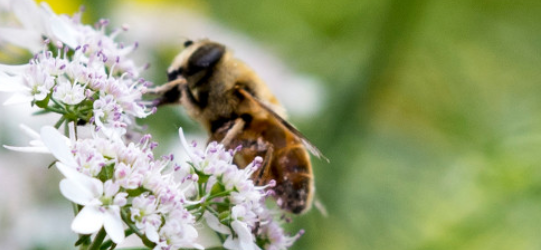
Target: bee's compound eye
x=205 y=57
x=188 y=43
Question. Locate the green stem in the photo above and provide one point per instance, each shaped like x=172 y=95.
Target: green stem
x=221 y=236
x=58 y=104
x=55 y=110
x=85 y=109
x=217 y=203
x=51 y=165
x=83 y=241
x=98 y=240
x=192 y=207
x=75 y=208
x=224 y=193
x=75 y=129
x=210 y=209
x=59 y=122
x=41 y=112
x=200 y=215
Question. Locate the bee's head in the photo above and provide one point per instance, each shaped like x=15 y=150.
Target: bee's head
x=196 y=61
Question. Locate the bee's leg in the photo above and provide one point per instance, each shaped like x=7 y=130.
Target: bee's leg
x=169 y=92
x=233 y=131
x=262 y=175
x=160 y=90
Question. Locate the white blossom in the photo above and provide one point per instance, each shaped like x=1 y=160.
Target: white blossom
x=146 y=216
x=97 y=68
x=278 y=240
x=101 y=202
x=178 y=231
x=69 y=93
x=248 y=209
x=244 y=239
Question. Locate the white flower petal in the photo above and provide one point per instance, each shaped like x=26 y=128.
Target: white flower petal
x=57 y=144
x=238 y=211
x=28 y=39
x=13 y=69
x=37 y=143
x=191 y=234
x=185 y=144
x=214 y=223
x=152 y=234
x=40 y=150
x=12 y=83
x=30 y=132
x=75 y=192
x=243 y=232
x=58 y=27
x=110 y=188
x=91 y=185
x=207 y=237
x=244 y=240
x=63 y=31
x=232 y=243
x=113 y=224
x=18 y=98
x=88 y=220
x=29 y=14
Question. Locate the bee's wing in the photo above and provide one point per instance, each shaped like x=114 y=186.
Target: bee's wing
x=313 y=149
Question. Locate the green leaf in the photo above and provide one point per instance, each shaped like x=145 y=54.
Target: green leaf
x=135 y=192
x=43 y=103
x=106 y=172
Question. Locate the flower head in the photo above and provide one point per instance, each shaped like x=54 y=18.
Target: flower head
x=78 y=71
x=247 y=216
x=101 y=201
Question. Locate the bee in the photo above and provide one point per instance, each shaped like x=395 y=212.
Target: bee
x=237 y=109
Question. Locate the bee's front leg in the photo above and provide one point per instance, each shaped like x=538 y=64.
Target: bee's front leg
x=263 y=175
x=168 y=93
x=233 y=131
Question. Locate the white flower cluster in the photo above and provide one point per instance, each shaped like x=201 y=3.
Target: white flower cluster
x=79 y=72
x=118 y=183
x=84 y=75
x=107 y=177
x=249 y=221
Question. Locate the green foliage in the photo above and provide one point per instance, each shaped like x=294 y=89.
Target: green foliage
x=431 y=126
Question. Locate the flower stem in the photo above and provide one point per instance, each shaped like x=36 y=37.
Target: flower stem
x=55 y=110
x=59 y=122
x=221 y=237
x=83 y=241
x=75 y=208
x=224 y=193
x=98 y=240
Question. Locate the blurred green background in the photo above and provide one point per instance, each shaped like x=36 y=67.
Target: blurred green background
x=431 y=116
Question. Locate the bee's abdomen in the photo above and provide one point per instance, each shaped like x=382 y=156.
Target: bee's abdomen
x=293 y=176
